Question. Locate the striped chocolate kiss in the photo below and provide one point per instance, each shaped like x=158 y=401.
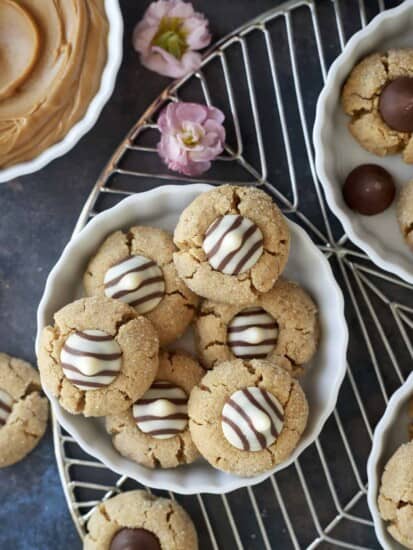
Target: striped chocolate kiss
x=252 y=419
x=138 y=281
x=252 y=334
x=162 y=411
x=91 y=359
x=233 y=244
x=6 y=404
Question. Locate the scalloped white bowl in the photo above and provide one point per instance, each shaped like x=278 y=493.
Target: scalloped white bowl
x=390 y=433
x=89 y=119
x=161 y=207
x=337 y=152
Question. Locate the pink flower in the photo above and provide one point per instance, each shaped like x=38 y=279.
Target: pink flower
x=167 y=36
x=191 y=136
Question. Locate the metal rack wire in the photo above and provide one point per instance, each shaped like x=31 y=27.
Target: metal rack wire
x=259 y=77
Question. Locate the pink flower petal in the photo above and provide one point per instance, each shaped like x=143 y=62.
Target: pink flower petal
x=182 y=10
x=216 y=114
x=190 y=138
x=198 y=36
x=142 y=38
x=158 y=9
x=196 y=168
x=193 y=112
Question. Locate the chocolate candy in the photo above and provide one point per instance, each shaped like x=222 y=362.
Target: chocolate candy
x=252 y=333
x=233 y=244
x=6 y=404
x=369 y=189
x=137 y=281
x=252 y=419
x=91 y=359
x=396 y=104
x=163 y=411
x=134 y=539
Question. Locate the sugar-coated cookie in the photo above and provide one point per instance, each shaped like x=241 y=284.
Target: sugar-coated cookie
x=405 y=213
x=280 y=323
x=136 y=267
x=233 y=244
x=99 y=357
x=246 y=417
x=137 y=520
x=23 y=410
x=373 y=94
x=154 y=432
x=396 y=495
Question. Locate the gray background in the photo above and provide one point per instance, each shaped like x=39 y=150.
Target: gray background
x=37 y=215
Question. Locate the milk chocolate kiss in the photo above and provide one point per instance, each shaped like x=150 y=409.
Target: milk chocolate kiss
x=369 y=189
x=135 y=539
x=396 y=104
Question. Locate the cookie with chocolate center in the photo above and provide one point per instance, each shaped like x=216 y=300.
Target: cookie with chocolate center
x=136 y=267
x=396 y=495
x=139 y=520
x=23 y=409
x=98 y=357
x=405 y=213
x=246 y=417
x=378 y=96
x=233 y=244
x=154 y=431
x=281 y=324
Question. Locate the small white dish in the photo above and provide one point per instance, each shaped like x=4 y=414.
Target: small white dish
x=161 y=207
x=337 y=153
x=115 y=37
x=390 y=433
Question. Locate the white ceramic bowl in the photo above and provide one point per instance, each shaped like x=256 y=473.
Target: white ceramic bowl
x=161 y=207
x=89 y=119
x=390 y=433
x=337 y=152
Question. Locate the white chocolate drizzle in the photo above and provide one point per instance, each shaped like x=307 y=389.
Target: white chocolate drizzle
x=6 y=404
x=91 y=359
x=163 y=411
x=252 y=333
x=137 y=281
x=233 y=244
x=252 y=419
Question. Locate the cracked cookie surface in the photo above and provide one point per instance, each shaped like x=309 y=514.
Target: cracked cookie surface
x=138 y=342
x=191 y=260
x=405 y=213
x=396 y=495
x=176 y=308
x=213 y=392
x=360 y=100
x=183 y=371
x=295 y=316
x=162 y=517
x=27 y=410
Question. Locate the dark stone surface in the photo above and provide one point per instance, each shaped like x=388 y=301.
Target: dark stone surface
x=37 y=215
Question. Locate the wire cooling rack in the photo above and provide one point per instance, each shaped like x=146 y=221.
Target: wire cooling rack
x=266 y=77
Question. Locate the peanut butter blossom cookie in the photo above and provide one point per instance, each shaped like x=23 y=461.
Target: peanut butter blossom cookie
x=233 y=244
x=396 y=495
x=405 y=213
x=154 y=432
x=247 y=423
x=23 y=410
x=136 y=267
x=99 y=357
x=282 y=323
x=378 y=96
x=137 y=520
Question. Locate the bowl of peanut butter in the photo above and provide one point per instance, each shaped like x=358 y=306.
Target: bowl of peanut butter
x=58 y=65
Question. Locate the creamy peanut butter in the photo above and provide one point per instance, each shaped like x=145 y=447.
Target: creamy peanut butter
x=52 y=54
